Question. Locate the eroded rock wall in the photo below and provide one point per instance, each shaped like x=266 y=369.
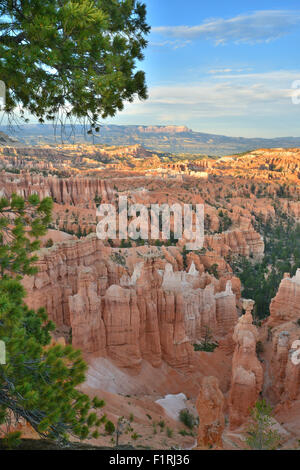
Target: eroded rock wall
x=247 y=372
x=130 y=307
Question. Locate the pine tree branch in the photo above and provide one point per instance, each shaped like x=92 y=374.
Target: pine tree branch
x=8 y=40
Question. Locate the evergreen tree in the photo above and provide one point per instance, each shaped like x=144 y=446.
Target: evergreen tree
x=73 y=55
x=38 y=382
x=21 y=224
x=261 y=435
x=261 y=279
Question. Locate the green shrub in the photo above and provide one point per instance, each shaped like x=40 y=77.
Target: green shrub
x=186 y=417
x=161 y=424
x=110 y=427
x=184 y=432
x=49 y=243
x=208 y=347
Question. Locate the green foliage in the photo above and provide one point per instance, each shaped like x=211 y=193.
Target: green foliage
x=49 y=243
x=224 y=221
x=186 y=417
x=283 y=191
x=125 y=243
x=161 y=424
x=118 y=259
x=184 y=432
x=207 y=345
x=184 y=257
x=21 y=223
x=12 y=440
x=213 y=270
x=39 y=382
x=110 y=427
x=97 y=199
x=261 y=280
x=169 y=432
x=261 y=435
x=76 y=56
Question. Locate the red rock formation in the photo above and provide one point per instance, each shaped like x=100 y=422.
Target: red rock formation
x=74 y=191
x=284 y=375
x=210 y=404
x=122 y=323
x=85 y=310
x=286 y=305
x=121 y=307
x=247 y=371
x=237 y=242
x=226 y=312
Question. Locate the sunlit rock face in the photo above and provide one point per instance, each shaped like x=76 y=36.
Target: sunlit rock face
x=148 y=311
x=247 y=371
x=210 y=407
x=284 y=332
x=286 y=305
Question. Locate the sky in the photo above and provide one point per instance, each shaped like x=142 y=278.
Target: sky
x=222 y=67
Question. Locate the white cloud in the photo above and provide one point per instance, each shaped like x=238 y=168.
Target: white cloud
x=245 y=95
x=216 y=71
x=176 y=44
x=258 y=26
x=228 y=70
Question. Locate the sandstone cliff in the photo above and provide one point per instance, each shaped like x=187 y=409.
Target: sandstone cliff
x=130 y=308
x=247 y=371
x=73 y=191
x=284 y=327
x=210 y=404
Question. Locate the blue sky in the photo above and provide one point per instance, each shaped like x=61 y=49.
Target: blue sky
x=221 y=67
